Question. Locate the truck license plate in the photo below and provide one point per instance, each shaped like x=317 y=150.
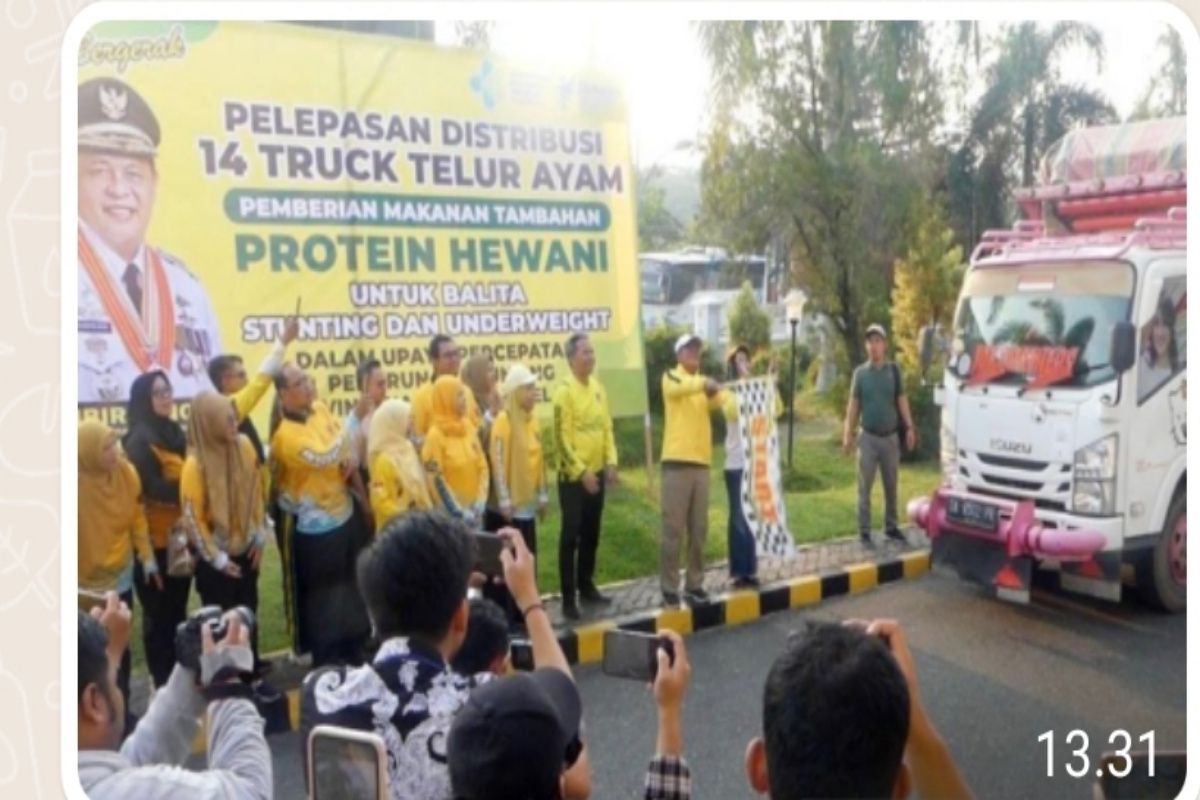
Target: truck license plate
x=973 y=514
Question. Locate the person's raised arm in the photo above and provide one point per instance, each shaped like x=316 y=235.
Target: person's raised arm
x=520 y=575
x=238 y=755
x=247 y=398
x=934 y=773
x=668 y=777
x=679 y=385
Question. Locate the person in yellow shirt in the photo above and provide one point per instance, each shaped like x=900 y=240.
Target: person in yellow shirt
x=221 y=494
x=518 y=472
x=156 y=446
x=689 y=398
x=586 y=464
x=397 y=478
x=228 y=374
x=454 y=462
x=743 y=555
x=323 y=530
x=112 y=523
x=445 y=356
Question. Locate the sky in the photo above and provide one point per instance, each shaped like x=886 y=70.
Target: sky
x=666 y=76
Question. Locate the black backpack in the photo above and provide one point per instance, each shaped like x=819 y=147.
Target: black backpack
x=901 y=426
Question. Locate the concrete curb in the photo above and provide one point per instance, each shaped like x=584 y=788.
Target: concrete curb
x=585 y=644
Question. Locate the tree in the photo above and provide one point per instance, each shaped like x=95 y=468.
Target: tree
x=821 y=132
x=658 y=229
x=1025 y=109
x=1166 y=93
x=749 y=325
x=928 y=279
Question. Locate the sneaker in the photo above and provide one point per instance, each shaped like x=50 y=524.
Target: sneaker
x=866 y=541
x=670 y=599
x=896 y=535
x=696 y=597
x=593 y=596
x=747 y=582
x=570 y=611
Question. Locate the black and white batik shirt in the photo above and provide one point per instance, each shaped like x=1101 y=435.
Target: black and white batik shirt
x=408 y=696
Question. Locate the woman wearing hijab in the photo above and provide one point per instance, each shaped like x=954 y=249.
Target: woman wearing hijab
x=221 y=492
x=112 y=522
x=157 y=445
x=484 y=403
x=397 y=479
x=453 y=458
x=515 y=449
x=518 y=472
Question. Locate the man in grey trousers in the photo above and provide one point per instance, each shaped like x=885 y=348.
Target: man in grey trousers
x=877 y=394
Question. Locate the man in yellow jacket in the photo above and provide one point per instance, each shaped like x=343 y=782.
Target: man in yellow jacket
x=587 y=464
x=688 y=400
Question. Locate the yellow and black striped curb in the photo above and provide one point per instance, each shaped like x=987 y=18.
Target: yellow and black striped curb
x=585 y=644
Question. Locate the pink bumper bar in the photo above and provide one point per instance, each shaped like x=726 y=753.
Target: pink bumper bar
x=1018 y=530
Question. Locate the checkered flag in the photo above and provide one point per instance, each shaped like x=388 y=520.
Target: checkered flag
x=762 y=484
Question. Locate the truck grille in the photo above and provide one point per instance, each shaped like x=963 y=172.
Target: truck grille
x=1012 y=463
x=1047 y=484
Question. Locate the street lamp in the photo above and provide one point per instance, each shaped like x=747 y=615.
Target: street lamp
x=794 y=305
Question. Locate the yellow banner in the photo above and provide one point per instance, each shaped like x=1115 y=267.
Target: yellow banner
x=395 y=189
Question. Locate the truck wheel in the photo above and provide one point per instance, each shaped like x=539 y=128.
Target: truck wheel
x=1162 y=575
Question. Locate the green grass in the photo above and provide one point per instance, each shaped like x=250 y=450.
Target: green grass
x=820 y=490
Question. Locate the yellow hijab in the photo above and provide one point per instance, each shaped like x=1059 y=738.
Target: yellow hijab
x=105 y=495
x=446 y=416
x=388 y=437
x=522 y=484
x=231 y=483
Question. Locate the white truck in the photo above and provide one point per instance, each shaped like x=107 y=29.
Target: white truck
x=1063 y=401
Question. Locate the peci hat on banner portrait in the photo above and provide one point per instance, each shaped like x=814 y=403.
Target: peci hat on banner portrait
x=114 y=118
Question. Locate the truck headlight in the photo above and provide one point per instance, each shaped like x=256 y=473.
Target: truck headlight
x=1096 y=478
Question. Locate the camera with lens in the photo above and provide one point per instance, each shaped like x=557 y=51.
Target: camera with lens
x=187 y=634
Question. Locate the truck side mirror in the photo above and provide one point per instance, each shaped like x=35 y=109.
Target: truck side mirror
x=1123 y=347
x=925 y=353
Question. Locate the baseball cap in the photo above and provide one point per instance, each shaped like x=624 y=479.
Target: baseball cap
x=518 y=375
x=876 y=329
x=514 y=736
x=686 y=339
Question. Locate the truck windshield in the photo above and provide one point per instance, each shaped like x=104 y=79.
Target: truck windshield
x=1061 y=315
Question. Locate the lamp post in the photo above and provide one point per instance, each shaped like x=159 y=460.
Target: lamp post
x=794 y=303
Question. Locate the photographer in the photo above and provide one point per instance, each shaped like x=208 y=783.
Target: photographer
x=414 y=580
x=842 y=717
x=147 y=764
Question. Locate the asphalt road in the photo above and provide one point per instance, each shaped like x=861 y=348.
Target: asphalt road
x=994 y=677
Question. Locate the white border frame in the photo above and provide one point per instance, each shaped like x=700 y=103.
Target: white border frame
x=262 y=10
